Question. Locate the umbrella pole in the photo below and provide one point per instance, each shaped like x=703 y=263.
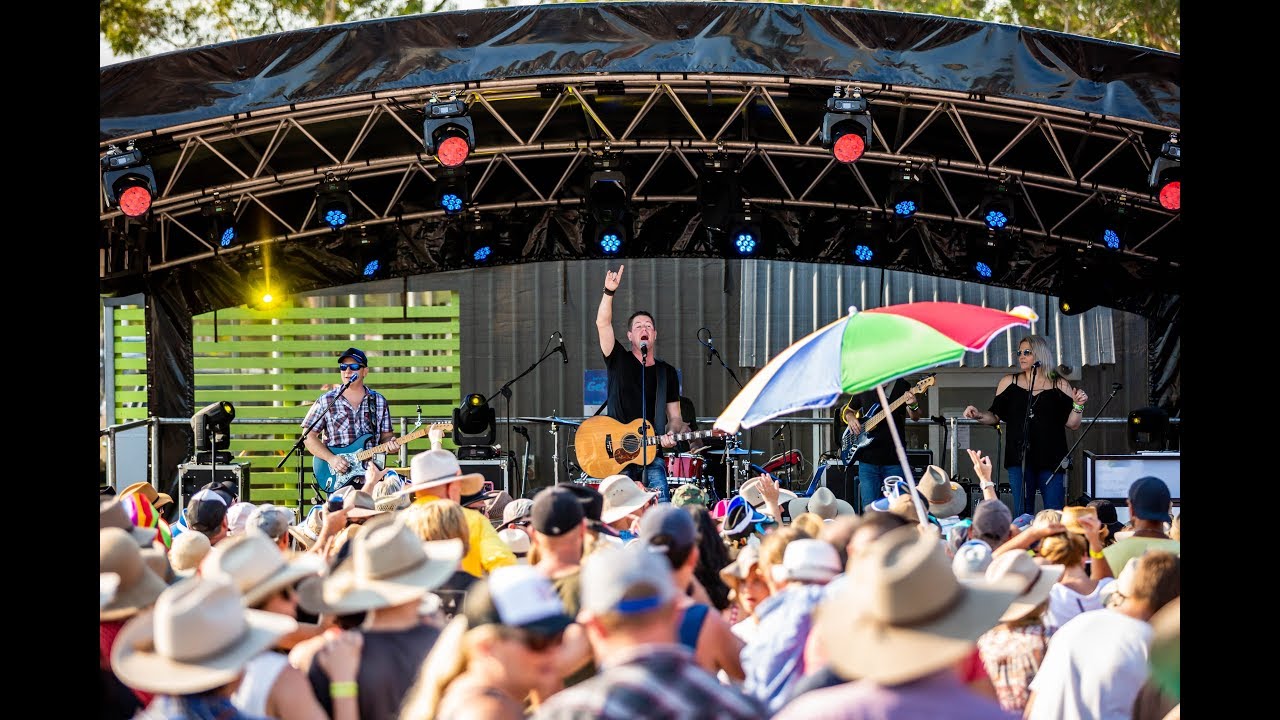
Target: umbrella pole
x=902 y=458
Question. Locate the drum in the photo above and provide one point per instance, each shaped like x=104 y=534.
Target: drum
x=585 y=479
x=684 y=468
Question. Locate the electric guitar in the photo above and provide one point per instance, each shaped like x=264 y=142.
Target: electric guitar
x=356 y=457
x=850 y=443
x=605 y=446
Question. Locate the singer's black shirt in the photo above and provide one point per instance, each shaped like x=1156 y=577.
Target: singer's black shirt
x=1047 y=427
x=624 y=374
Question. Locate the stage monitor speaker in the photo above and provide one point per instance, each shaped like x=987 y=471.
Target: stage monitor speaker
x=193 y=476
x=919 y=460
x=498 y=471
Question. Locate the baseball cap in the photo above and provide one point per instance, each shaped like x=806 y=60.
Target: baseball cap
x=971 y=560
x=668 y=528
x=207 y=510
x=1024 y=521
x=625 y=580
x=517 y=510
x=1150 y=499
x=591 y=499
x=1107 y=514
x=516 y=596
x=272 y=520
x=355 y=354
x=187 y=552
x=238 y=516
x=808 y=560
x=689 y=494
x=556 y=511
x=227 y=488
x=517 y=540
x=992 y=518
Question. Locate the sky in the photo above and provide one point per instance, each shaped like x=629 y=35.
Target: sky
x=106 y=57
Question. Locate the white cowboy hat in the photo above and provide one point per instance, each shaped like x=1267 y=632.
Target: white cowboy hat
x=621 y=498
x=197 y=638
x=946 y=498
x=907 y=615
x=752 y=494
x=822 y=503
x=389 y=565
x=139 y=585
x=1034 y=580
x=434 y=468
x=257 y=566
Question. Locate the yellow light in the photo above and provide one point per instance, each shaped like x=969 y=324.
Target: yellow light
x=266 y=298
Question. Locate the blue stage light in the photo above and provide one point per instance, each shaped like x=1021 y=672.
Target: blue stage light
x=996 y=220
x=482 y=254
x=745 y=243
x=864 y=253
x=610 y=243
x=905 y=209
x=451 y=203
x=983 y=270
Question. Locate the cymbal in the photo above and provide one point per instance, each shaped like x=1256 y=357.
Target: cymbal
x=735 y=451
x=553 y=420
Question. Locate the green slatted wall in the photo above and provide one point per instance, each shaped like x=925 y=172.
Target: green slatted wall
x=274 y=364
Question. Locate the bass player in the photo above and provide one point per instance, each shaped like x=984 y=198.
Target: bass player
x=877 y=460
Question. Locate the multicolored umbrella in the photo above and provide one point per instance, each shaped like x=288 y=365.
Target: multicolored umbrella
x=862 y=350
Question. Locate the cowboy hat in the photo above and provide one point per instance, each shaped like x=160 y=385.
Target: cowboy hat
x=751 y=492
x=907 y=616
x=1071 y=518
x=359 y=504
x=748 y=557
x=158 y=499
x=389 y=565
x=1021 y=572
x=107 y=584
x=621 y=498
x=197 y=638
x=822 y=503
x=111 y=514
x=139 y=584
x=946 y=497
x=308 y=531
x=434 y=468
x=257 y=566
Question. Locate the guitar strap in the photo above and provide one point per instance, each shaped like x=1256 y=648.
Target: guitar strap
x=367 y=402
x=660 y=418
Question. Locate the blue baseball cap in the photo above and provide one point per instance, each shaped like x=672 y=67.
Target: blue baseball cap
x=355 y=354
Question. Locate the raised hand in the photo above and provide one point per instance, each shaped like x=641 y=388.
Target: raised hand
x=981 y=465
x=613 y=279
x=1080 y=396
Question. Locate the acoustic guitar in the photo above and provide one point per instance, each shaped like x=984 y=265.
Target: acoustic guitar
x=605 y=446
x=356 y=457
x=850 y=444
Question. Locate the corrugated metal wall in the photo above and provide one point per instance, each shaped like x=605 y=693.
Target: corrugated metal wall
x=752 y=308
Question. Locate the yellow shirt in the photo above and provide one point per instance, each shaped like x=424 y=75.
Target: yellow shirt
x=487 y=549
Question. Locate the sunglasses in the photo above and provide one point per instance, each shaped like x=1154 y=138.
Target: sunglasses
x=349 y=366
x=1023 y=353
x=535 y=641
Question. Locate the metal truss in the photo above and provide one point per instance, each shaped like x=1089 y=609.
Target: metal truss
x=1063 y=162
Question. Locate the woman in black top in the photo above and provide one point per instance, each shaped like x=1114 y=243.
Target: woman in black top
x=1054 y=405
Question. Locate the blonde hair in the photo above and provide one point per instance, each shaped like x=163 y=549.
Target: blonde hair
x=811 y=523
x=1064 y=549
x=1041 y=351
x=439 y=520
x=1175 y=528
x=774 y=545
x=1047 y=517
x=449 y=658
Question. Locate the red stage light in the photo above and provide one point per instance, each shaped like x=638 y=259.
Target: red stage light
x=135 y=201
x=1171 y=195
x=453 y=151
x=849 y=147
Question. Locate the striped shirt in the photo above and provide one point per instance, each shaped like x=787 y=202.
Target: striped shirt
x=655 y=682
x=342 y=423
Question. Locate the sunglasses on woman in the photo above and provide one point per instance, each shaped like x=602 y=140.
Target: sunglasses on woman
x=534 y=640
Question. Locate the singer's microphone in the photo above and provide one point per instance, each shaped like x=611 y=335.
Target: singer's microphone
x=644 y=347
x=1116 y=386
x=778 y=433
x=1035 y=364
x=563 y=352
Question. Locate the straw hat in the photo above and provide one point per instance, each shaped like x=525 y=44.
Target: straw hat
x=822 y=503
x=907 y=616
x=389 y=565
x=946 y=497
x=197 y=638
x=434 y=468
x=621 y=497
x=752 y=494
x=158 y=499
x=1020 y=571
x=139 y=585
x=257 y=566
x=111 y=514
x=1071 y=517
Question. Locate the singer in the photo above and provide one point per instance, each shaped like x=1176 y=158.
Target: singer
x=659 y=381
x=1054 y=404
x=351 y=410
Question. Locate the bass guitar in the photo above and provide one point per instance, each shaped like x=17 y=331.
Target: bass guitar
x=605 y=446
x=356 y=457
x=850 y=443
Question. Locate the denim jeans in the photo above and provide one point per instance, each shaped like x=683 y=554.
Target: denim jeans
x=871 y=482
x=654 y=476
x=1052 y=486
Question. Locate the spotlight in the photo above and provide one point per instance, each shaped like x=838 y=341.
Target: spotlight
x=906 y=192
x=607 y=190
x=868 y=239
x=997 y=208
x=609 y=239
x=1082 y=281
x=372 y=253
x=718 y=190
x=1117 y=213
x=451 y=190
x=1166 y=175
x=744 y=237
x=211 y=426
x=128 y=181
x=333 y=203
x=480 y=245
x=447 y=132
x=474 y=428
x=1148 y=429
x=987 y=252
x=222 y=221
x=846 y=127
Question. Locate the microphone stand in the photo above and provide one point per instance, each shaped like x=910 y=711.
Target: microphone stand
x=1062 y=465
x=716 y=353
x=1026 y=437
x=300 y=445
x=505 y=391
x=644 y=421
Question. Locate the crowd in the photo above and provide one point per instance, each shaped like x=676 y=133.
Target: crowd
x=427 y=597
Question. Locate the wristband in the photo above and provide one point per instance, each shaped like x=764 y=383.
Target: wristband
x=346 y=689
x=1095 y=554
x=609 y=292
x=913 y=408
x=985 y=485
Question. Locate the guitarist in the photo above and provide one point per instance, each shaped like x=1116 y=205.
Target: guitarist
x=624 y=367
x=877 y=460
x=348 y=415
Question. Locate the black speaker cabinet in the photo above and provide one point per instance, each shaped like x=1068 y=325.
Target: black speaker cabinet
x=193 y=477
x=498 y=471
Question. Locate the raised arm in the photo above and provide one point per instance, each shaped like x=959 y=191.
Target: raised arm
x=1078 y=399
x=604 y=316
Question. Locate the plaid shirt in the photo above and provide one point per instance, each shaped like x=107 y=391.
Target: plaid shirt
x=656 y=682
x=343 y=424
